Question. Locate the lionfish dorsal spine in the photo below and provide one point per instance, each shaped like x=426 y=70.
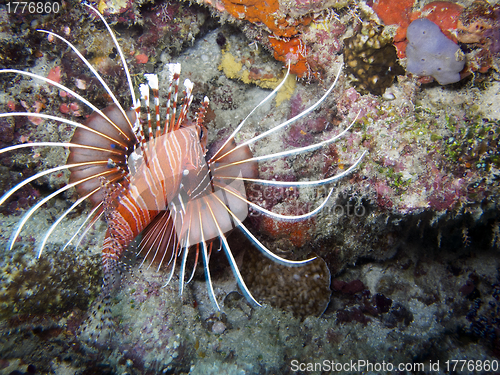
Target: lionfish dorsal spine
x=153 y=84
x=144 y=91
x=188 y=99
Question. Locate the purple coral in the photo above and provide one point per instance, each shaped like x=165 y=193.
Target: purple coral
x=493 y=34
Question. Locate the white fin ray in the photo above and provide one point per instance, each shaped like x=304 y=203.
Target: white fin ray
x=268 y=253
x=95 y=73
x=68 y=90
x=43 y=173
x=275 y=215
x=232 y=262
x=59 y=144
x=60 y=119
x=206 y=268
x=300 y=183
x=91 y=214
x=87 y=228
x=33 y=209
x=238 y=128
x=291 y=152
x=60 y=218
x=120 y=52
x=295 y=118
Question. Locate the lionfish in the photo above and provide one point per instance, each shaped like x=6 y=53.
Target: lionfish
x=157 y=179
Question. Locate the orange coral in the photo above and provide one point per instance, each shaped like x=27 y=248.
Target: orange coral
x=293 y=50
x=266 y=12
x=445 y=14
x=395 y=13
x=286 y=45
x=296 y=232
x=141 y=58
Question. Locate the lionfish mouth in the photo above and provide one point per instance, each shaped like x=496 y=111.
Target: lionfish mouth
x=154 y=177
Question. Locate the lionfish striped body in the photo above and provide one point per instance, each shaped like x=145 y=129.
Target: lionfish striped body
x=158 y=182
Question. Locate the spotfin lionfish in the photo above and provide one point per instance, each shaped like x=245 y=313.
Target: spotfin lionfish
x=156 y=179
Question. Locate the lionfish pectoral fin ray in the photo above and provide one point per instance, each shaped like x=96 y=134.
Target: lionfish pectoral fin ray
x=90 y=215
x=33 y=209
x=293 y=119
x=232 y=262
x=196 y=256
x=88 y=227
x=185 y=245
x=264 y=250
x=68 y=90
x=171 y=240
x=291 y=152
x=216 y=156
x=120 y=52
x=172 y=269
x=206 y=268
x=300 y=183
x=57 y=144
x=275 y=215
x=60 y=218
x=175 y=252
x=66 y=121
x=94 y=72
x=157 y=238
x=41 y=174
x=156 y=245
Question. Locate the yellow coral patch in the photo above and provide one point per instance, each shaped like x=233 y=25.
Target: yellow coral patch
x=229 y=66
x=113 y=6
x=102 y=6
x=287 y=89
x=234 y=69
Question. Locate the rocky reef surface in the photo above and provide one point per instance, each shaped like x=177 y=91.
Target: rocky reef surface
x=407 y=245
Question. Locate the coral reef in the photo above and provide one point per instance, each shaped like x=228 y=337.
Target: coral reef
x=410 y=239
x=47 y=285
x=484 y=317
x=269 y=13
x=479 y=27
x=249 y=65
x=445 y=14
x=304 y=291
x=395 y=13
x=371 y=58
x=296 y=32
x=125 y=11
x=476 y=25
x=169 y=26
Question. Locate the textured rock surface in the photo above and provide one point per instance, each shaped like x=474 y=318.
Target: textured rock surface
x=411 y=237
